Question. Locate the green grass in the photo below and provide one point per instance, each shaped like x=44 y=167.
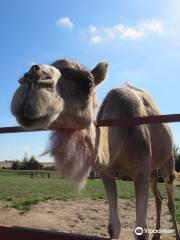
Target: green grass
x=20 y=192
x=178 y=204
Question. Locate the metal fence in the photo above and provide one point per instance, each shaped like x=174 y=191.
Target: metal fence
x=19 y=233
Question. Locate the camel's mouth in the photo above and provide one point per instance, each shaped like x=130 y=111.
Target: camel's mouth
x=36 y=123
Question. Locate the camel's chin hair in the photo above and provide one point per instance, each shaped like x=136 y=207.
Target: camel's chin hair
x=78 y=183
x=73 y=154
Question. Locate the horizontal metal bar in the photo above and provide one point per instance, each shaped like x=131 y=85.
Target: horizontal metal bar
x=122 y=121
x=127 y=121
x=22 y=233
x=17 y=129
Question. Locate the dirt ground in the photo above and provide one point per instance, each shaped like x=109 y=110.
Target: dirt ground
x=82 y=216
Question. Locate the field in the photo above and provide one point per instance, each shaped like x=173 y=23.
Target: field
x=24 y=194
x=20 y=192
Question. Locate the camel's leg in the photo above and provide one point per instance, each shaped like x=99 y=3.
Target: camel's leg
x=158 y=201
x=114 y=227
x=171 y=206
x=167 y=172
x=141 y=191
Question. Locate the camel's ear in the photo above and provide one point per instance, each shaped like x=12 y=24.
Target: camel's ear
x=100 y=72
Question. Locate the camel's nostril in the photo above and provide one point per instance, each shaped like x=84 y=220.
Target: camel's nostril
x=35 y=68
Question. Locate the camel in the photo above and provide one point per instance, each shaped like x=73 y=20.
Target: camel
x=64 y=93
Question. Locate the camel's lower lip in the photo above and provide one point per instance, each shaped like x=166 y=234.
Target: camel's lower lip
x=33 y=122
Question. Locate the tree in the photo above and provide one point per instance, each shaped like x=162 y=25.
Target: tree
x=27 y=164
x=33 y=164
x=16 y=165
x=176 y=151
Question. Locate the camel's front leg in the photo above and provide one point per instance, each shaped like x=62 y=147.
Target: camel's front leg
x=111 y=190
x=141 y=191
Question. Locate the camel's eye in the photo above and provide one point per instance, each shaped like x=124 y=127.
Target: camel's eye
x=84 y=84
x=68 y=73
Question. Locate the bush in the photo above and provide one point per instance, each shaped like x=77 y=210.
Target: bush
x=176 y=151
x=49 y=168
x=15 y=165
x=178 y=163
x=27 y=164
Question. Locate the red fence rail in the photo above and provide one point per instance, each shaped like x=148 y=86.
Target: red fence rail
x=124 y=121
x=21 y=233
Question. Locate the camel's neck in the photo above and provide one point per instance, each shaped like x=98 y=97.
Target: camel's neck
x=74 y=151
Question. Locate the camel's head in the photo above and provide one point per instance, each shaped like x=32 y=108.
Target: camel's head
x=63 y=93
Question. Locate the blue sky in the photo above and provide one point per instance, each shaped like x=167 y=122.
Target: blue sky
x=140 y=40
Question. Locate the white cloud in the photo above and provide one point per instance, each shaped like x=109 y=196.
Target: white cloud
x=152 y=26
x=98 y=34
x=95 y=39
x=132 y=33
x=65 y=22
x=123 y=31
x=92 y=29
